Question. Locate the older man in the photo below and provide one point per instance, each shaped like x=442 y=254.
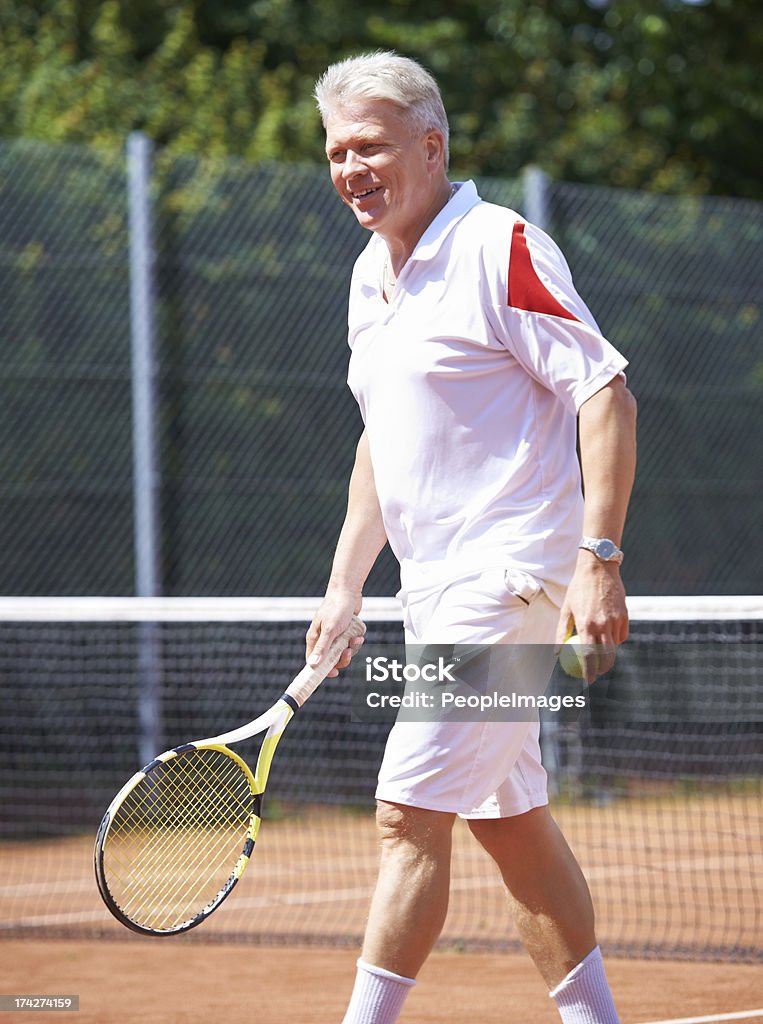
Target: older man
x=475 y=365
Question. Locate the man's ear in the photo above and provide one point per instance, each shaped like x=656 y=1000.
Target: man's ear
x=435 y=143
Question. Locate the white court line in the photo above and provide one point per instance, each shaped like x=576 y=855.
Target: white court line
x=303 y=899
x=43 y=920
x=75 y=885
x=243 y=903
x=48 y=888
x=739 y=1015
x=652 y=867
x=350 y=894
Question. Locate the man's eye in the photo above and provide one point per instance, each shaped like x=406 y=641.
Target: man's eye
x=337 y=155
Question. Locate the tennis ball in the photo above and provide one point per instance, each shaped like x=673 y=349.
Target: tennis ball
x=571 y=656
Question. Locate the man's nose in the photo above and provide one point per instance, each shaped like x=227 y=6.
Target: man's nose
x=352 y=164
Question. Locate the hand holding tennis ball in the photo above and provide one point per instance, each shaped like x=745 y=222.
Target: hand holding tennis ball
x=572 y=656
x=583 y=660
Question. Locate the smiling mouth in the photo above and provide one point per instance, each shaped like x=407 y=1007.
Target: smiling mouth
x=366 y=192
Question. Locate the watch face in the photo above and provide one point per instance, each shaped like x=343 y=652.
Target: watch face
x=605 y=549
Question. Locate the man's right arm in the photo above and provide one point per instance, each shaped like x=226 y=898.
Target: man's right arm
x=360 y=541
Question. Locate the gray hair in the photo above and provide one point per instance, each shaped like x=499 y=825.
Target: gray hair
x=384 y=75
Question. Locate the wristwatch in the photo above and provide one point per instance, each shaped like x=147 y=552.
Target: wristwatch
x=605 y=549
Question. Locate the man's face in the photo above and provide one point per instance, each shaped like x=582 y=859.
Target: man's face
x=379 y=168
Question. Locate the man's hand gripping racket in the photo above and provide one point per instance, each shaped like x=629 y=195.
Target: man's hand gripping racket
x=178 y=835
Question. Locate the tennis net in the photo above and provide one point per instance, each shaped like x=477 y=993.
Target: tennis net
x=661 y=802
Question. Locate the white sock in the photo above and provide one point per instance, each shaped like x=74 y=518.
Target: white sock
x=378 y=996
x=584 y=997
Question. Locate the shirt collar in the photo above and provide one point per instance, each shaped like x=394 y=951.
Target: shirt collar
x=454 y=210
x=429 y=244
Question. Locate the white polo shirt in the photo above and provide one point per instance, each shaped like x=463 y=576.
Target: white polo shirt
x=469 y=383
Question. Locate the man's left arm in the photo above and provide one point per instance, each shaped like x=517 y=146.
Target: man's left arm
x=595 y=599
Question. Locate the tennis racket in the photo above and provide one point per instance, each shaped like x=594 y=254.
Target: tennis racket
x=178 y=835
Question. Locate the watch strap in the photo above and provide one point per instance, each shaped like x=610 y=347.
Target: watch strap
x=603 y=548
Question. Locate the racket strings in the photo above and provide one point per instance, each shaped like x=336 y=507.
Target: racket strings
x=202 y=850
x=176 y=839
x=176 y=882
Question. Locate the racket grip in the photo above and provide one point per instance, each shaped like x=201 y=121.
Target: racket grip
x=311 y=677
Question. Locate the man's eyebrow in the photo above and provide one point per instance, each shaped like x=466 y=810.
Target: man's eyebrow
x=361 y=135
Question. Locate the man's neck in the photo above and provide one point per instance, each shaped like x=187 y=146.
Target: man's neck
x=401 y=245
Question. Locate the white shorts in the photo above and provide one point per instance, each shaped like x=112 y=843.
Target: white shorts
x=476 y=769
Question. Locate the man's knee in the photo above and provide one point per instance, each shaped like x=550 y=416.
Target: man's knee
x=398 y=823
x=391 y=819
x=503 y=837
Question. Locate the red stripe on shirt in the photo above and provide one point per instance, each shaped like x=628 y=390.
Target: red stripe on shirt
x=526 y=290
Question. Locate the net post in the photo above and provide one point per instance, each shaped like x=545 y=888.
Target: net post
x=144 y=432
x=142 y=330
x=535 y=189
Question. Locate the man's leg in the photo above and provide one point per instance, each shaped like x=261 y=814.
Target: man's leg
x=407 y=910
x=548 y=895
x=411 y=897
x=552 y=908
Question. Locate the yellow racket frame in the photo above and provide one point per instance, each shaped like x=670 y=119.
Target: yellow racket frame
x=273 y=723
x=282 y=714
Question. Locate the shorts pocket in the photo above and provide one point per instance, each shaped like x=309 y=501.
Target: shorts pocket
x=522 y=585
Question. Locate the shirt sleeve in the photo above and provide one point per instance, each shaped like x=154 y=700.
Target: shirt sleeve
x=544 y=323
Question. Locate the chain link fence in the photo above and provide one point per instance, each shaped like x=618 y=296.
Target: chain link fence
x=257 y=428
x=65 y=434
x=676 y=284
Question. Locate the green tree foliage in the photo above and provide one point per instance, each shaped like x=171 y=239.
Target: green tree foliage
x=656 y=94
